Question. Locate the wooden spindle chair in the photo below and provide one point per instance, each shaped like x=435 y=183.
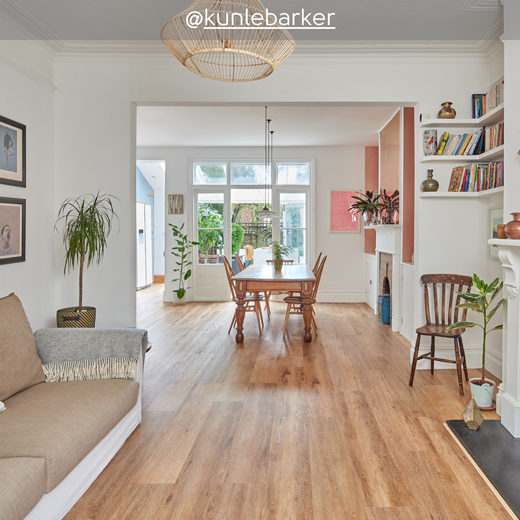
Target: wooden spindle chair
x=252 y=301
x=443 y=319
x=285 y=262
x=316 y=265
x=295 y=303
x=266 y=293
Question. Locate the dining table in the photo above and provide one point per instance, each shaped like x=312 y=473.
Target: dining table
x=296 y=278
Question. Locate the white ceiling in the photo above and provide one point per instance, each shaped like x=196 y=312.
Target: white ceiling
x=244 y=125
x=154 y=173
x=353 y=19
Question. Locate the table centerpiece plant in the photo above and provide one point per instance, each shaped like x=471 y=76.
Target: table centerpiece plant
x=279 y=252
x=482 y=389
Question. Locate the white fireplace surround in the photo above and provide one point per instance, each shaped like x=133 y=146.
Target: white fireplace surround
x=508 y=397
x=388 y=240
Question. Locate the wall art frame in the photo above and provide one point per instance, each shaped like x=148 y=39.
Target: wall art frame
x=12 y=152
x=12 y=230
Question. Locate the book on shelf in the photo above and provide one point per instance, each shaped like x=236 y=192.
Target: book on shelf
x=477 y=177
x=477 y=105
x=482 y=141
x=484 y=103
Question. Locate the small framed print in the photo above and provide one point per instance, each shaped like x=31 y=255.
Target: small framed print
x=12 y=230
x=342 y=220
x=496 y=217
x=12 y=152
x=175 y=204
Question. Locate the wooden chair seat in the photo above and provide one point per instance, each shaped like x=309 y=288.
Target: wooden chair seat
x=441 y=285
x=434 y=329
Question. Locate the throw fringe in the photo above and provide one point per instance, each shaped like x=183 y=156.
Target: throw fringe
x=108 y=368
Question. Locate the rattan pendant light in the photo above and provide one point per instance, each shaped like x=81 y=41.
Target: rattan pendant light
x=231 y=50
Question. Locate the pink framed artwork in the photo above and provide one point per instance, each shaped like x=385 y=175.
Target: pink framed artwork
x=342 y=220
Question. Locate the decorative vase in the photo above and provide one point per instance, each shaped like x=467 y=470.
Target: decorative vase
x=512 y=228
x=446 y=112
x=501 y=231
x=368 y=217
x=430 y=142
x=177 y=300
x=483 y=394
x=430 y=184
x=278 y=264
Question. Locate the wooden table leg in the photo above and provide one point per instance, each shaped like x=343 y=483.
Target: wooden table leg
x=307 y=310
x=241 y=294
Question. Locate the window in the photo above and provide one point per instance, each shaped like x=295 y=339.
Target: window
x=210 y=174
x=293 y=174
x=210 y=227
x=253 y=174
x=293 y=224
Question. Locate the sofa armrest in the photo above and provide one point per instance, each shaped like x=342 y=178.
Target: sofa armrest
x=75 y=354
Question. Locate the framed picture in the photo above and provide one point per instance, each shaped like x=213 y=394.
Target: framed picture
x=175 y=204
x=12 y=152
x=342 y=220
x=12 y=230
x=496 y=217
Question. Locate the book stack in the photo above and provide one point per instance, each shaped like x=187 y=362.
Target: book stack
x=472 y=144
x=477 y=177
x=484 y=103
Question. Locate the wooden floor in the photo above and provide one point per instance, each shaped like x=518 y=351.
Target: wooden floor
x=278 y=429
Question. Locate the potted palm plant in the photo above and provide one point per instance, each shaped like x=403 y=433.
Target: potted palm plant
x=367 y=204
x=87 y=222
x=279 y=252
x=182 y=251
x=482 y=389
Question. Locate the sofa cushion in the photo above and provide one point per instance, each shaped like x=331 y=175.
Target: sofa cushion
x=22 y=484
x=62 y=422
x=20 y=366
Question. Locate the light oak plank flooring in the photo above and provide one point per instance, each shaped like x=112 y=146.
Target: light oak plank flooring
x=276 y=429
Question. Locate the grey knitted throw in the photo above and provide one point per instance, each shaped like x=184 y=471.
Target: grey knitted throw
x=78 y=354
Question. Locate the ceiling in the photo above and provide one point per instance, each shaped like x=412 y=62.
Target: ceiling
x=154 y=173
x=244 y=125
x=353 y=19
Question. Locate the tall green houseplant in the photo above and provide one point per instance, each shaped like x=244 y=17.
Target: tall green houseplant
x=182 y=251
x=87 y=221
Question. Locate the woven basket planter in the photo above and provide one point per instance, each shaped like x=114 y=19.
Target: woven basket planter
x=72 y=317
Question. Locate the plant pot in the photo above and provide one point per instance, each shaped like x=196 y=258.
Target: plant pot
x=72 y=317
x=483 y=394
x=369 y=217
x=177 y=300
x=278 y=264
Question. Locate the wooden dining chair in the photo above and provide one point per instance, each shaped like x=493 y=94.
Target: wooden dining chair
x=252 y=301
x=266 y=294
x=316 y=265
x=440 y=283
x=295 y=303
x=285 y=262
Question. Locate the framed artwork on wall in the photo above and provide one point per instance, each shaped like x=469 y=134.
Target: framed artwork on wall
x=175 y=204
x=495 y=217
x=12 y=152
x=342 y=220
x=12 y=230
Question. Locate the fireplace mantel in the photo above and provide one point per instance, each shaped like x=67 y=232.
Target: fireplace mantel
x=388 y=238
x=508 y=404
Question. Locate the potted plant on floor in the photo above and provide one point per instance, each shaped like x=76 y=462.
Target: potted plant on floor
x=279 y=252
x=367 y=204
x=482 y=389
x=182 y=251
x=88 y=221
x=390 y=204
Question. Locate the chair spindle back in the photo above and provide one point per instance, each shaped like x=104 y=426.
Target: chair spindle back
x=443 y=315
x=239 y=263
x=229 y=274
x=318 y=278
x=316 y=265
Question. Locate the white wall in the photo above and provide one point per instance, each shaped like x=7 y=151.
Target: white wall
x=336 y=168
x=27 y=96
x=94 y=122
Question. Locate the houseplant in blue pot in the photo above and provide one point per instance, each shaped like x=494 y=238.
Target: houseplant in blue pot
x=482 y=389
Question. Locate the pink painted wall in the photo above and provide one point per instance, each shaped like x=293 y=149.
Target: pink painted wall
x=407 y=196
x=371 y=184
x=390 y=146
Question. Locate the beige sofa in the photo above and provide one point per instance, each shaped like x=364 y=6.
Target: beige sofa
x=56 y=437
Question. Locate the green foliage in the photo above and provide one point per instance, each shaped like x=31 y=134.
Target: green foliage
x=366 y=203
x=279 y=251
x=237 y=237
x=478 y=302
x=182 y=251
x=390 y=203
x=87 y=223
x=210 y=217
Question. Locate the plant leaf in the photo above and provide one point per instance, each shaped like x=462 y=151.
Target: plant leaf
x=475 y=306
x=497 y=290
x=498 y=327
x=180 y=293
x=492 y=313
x=463 y=325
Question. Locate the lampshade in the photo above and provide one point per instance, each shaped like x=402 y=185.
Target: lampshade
x=229 y=50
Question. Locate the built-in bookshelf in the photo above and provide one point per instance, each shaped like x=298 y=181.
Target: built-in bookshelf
x=491 y=118
x=491 y=155
x=460 y=194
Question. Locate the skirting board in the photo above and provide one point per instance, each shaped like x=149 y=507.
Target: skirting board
x=473 y=358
